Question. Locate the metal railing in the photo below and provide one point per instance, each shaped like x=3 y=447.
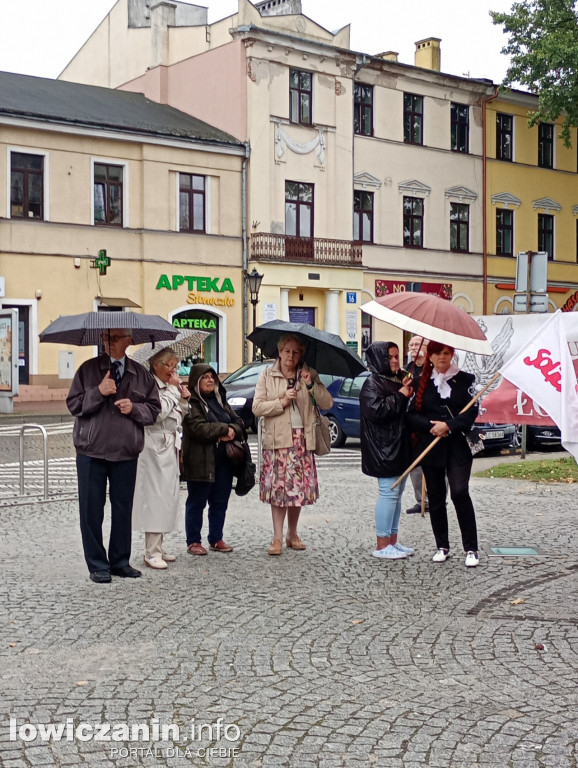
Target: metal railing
x=23 y=428
x=310 y=250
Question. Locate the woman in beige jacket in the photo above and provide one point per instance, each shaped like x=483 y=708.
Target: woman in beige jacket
x=284 y=396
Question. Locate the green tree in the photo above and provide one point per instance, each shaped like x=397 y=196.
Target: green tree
x=543 y=50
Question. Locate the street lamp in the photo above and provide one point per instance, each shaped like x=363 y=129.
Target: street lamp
x=254 y=280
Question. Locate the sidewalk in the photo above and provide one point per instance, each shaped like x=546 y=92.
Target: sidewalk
x=43 y=412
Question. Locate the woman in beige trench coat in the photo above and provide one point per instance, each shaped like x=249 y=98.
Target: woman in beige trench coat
x=156 y=500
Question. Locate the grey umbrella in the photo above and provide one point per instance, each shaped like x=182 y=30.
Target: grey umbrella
x=324 y=351
x=86 y=329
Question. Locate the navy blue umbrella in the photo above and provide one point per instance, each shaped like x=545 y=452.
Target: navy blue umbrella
x=324 y=351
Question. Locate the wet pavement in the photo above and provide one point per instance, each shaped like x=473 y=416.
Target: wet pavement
x=327 y=658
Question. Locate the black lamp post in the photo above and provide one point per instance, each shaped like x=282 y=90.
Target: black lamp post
x=254 y=280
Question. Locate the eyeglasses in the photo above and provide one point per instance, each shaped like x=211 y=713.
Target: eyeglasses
x=208 y=377
x=114 y=339
x=171 y=366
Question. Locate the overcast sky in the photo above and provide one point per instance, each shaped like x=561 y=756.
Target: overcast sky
x=39 y=37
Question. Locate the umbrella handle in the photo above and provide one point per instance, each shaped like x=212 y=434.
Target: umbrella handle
x=437 y=439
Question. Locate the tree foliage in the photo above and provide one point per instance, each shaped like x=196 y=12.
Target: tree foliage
x=543 y=49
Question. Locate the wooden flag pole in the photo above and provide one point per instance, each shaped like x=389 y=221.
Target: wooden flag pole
x=437 y=439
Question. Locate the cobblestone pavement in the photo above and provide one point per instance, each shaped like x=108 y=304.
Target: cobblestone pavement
x=327 y=658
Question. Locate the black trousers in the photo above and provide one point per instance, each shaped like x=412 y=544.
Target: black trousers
x=93 y=475
x=458 y=480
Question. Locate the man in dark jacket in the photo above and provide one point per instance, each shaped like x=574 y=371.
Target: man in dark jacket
x=384 y=444
x=113 y=399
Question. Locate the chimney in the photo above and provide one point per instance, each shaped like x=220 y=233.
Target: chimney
x=428 y=54
x=278 y=7
x=388 y=55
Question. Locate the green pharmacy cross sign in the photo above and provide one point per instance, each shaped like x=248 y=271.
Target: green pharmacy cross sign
x=101 y=263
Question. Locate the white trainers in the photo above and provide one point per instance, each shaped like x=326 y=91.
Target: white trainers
x=409 y=551
x=472 y=559
x=155 y=562
x=441 y=555
x=389 y=553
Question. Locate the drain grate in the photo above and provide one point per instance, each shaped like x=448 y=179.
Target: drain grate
x=512 y=551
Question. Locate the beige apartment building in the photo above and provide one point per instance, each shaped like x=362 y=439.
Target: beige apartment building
x=365 y=175
x=90 y=175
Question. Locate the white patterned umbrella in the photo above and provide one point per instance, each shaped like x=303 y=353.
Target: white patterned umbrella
x=184 y=345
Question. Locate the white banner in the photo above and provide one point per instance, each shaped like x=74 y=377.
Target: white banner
x=507 y=402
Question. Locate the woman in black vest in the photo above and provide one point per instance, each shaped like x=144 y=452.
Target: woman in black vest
x=435 y=412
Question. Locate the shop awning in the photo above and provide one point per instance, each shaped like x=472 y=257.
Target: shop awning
x=117 y=302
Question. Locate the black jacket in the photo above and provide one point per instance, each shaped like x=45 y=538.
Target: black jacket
x=384 y=444
x=454 y=447
x=201 y=432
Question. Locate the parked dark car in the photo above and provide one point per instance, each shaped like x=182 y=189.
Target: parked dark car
x=496 y=435
x=538 y=437
x=344 y=413
x=240 y=386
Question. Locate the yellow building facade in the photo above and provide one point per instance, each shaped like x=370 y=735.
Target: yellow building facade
x=531 y=201
x=70 y=191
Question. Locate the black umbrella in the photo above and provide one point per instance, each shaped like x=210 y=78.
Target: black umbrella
x=324 y=351
x=86 y=329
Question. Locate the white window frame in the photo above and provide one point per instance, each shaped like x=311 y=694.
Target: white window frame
x=207 y=178
x=125 y=187
x=45 y=178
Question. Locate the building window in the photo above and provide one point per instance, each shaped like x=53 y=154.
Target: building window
x=413 y=222
x=546 y=234
x=300 y=97
x=504 y=137
x=298 y=209
x=412 y=118
x=192 y=203
x=460 y=127
x=363 y=109
x=546 y=145
x=504 y=232
x=108 y=192
x=363 y=216
x=459 y=227
x=26 y=185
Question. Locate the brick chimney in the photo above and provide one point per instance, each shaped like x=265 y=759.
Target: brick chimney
x=428 y=54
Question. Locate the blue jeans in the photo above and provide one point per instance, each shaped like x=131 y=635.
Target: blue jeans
x=388 y=507
x=217 y=494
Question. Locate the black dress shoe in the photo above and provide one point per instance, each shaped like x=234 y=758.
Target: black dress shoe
x=100 y=577
x=126 y=572
x=416 y=509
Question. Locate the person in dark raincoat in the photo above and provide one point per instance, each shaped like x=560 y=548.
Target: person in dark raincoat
x=384 y=442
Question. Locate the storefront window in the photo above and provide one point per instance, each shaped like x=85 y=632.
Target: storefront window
x=208 y=352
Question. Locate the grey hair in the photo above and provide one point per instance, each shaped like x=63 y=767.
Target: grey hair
x=162 y=356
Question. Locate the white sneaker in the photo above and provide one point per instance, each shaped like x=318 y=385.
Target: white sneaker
x=441 y=555
x=155 y=562
x=168 y=558
x=409 y=551
x=472 y=559
x=389 y=553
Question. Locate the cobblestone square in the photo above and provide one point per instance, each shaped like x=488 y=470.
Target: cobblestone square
x=327 y=658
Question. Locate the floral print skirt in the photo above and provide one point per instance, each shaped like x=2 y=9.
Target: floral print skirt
x=288 y=475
